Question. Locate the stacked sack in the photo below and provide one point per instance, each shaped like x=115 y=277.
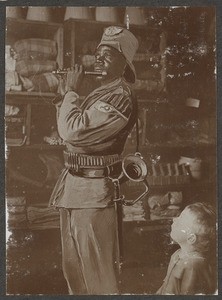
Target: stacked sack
x=16 y=211
x=165 y=206
x=11 y=76
x=134 y=212
x=36 y=59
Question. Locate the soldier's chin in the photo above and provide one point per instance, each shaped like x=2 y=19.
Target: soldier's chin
x=101 y=77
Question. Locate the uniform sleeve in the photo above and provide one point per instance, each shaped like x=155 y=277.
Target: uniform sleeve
x=103 y=120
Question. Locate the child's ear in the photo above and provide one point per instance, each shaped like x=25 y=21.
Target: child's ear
x=191 y=238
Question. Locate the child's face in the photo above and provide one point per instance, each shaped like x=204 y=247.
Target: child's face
x=182 y=226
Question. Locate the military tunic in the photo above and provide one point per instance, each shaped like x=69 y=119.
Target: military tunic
x=99 y=126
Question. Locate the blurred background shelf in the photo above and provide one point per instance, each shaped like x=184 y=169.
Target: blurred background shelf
x=35 y=98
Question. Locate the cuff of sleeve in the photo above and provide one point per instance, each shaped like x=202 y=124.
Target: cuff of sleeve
x=57 y=100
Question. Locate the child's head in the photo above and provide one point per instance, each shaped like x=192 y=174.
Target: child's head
x=195 y=227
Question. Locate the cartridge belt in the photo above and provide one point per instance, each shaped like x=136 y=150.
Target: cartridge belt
x=90 y=173
x=89 y=164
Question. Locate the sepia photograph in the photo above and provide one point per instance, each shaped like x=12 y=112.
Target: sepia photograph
x=111 y=150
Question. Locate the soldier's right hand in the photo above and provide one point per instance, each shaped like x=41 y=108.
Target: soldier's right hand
x=74 y=78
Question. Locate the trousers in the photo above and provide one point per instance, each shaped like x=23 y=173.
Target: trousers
x=89 y=250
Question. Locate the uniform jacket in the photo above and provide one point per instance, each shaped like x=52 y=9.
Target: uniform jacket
x=98 y=126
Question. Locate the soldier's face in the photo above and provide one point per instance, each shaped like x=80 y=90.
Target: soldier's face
x=109 y=60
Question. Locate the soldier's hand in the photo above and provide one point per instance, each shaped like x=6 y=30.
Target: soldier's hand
x=74 y=78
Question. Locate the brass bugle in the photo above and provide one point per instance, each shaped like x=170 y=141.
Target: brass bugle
x=95 y=73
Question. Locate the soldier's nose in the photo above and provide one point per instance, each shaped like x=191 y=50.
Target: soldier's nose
x=99 y=58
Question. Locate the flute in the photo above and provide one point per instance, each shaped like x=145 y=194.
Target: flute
x=95 y=73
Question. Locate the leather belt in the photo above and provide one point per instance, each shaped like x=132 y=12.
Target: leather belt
x=90 y=173
x=77 y=160
x=112 y=171
x=90 y=166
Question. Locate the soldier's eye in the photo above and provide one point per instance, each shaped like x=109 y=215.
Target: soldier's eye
x=108 y=55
